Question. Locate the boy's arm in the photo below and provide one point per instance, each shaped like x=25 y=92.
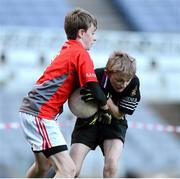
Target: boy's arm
x=98 y=94
x=116 y=113
x=104 y=111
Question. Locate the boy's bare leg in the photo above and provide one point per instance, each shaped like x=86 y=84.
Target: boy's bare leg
x=62 y=162
x=64 y=165
x=78 y=153
x=40 y=167
x=112 y=151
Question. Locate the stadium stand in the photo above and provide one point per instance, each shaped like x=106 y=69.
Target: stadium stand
x=150 y=16
x=41 y=13
x=106 y=15
x=36 y=38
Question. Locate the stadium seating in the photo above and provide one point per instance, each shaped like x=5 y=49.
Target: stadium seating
x=38 y=13
x=158 y=68
x=151 y=15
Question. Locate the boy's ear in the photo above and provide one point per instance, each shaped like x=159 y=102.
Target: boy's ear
x=80 y=33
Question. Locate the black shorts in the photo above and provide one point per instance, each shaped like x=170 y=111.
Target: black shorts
x=94 y=135
x=53 y=150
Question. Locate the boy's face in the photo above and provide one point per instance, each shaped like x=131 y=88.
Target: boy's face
x=88 y=38
x=119 y=81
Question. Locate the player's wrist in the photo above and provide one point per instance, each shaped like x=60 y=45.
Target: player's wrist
x=105 y=107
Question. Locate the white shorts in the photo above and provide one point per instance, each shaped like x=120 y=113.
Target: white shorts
x=42 y=134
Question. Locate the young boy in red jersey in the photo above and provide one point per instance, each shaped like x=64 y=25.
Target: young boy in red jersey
x=71 y=67
x=118 y=80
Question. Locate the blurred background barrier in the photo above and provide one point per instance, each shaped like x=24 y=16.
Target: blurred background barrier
x=31 y=33
x=134 y=125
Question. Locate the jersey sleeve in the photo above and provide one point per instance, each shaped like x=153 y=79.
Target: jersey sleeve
x=85 y=69
x=128 y=103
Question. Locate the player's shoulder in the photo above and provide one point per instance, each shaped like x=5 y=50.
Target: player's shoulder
x=134 y=87
x=135 y=80
x=134 y=84
x=81 y=53
x=99 y=72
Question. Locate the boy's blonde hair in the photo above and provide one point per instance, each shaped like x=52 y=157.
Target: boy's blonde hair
x=78 y=19
x=120 y=61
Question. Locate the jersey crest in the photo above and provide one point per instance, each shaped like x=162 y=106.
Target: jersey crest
x=134 y=91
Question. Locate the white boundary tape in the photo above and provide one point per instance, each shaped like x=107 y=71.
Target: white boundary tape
x=133 y=125
x=154 y=127
x=9 y=125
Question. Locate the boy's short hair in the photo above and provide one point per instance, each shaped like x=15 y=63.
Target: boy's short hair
x=120 y=61
x=78 y=19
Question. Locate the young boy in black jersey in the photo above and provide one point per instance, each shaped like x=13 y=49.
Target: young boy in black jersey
x=119 y=82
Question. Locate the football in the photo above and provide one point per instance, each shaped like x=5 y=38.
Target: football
x=80 y=108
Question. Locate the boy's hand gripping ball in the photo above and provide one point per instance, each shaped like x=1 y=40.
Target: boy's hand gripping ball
x=80 y=108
